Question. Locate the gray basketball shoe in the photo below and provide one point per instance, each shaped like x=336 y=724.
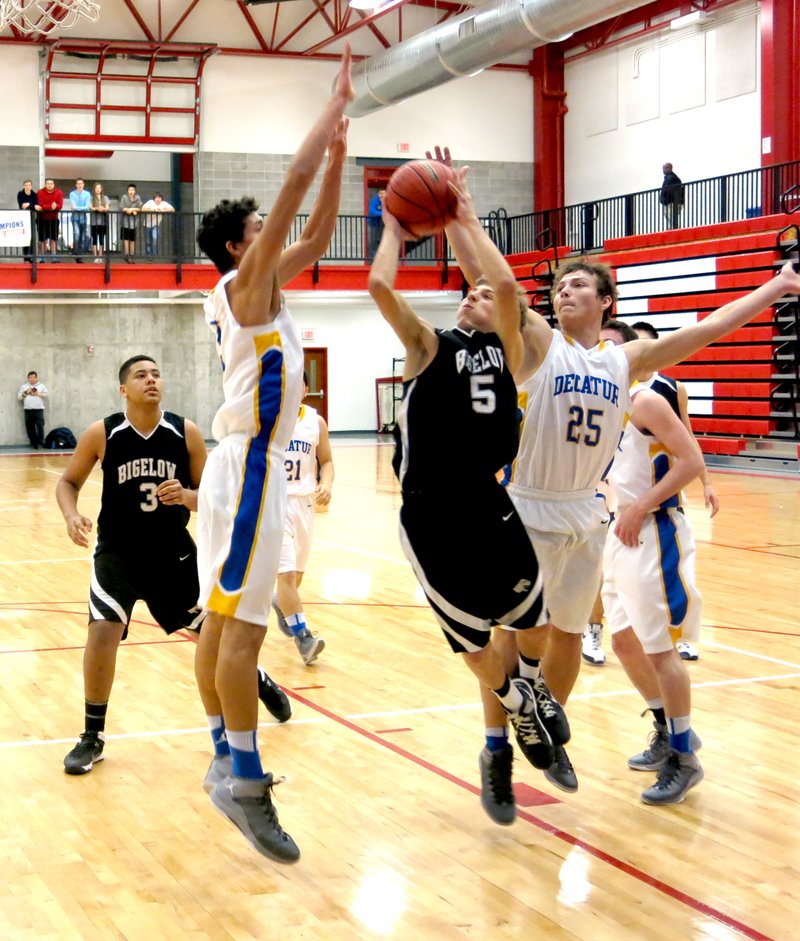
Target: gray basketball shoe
x=679 y=774
x=248 y=805
x=657 y=751
x=220 y=769
x=284 y=627
x=309 y=645
x=497 y=794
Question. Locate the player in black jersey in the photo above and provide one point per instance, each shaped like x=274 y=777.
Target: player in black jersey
x=152 y=462
x=469 y=550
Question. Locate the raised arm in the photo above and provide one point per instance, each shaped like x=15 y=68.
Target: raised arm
x=466 y=234
x=646 y=356
x=417 y=336
x=651 y=411
x=253 y=290
x=317 y=232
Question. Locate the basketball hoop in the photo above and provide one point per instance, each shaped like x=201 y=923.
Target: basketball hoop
x=43 y=16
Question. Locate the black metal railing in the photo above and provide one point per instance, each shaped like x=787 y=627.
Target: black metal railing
x=583 y=227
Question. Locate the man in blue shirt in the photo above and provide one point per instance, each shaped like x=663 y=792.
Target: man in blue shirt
x=81 y=200
x=375 y=223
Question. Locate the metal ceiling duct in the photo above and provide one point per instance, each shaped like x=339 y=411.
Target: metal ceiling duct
x=469 y=43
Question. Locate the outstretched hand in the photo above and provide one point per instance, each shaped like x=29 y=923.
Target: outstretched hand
x=442 y=157
x=343 y=87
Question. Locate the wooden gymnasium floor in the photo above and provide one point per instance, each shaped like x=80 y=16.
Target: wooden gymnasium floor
x=381 y=757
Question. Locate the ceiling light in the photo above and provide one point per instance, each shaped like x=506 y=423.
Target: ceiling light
x=695 y=18
x=364 y=4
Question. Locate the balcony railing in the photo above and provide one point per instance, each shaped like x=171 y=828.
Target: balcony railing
x=584 y=227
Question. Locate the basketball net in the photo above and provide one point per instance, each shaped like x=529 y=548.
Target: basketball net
x=42 y=16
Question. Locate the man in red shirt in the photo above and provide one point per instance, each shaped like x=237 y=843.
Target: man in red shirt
x=48 y=204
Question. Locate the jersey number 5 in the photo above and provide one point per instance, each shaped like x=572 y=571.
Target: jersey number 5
x=576 y=424
x=483 y=398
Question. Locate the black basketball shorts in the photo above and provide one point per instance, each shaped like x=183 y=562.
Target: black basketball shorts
x=166 y=580
x=474 y=561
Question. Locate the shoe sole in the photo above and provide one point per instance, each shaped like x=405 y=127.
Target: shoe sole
x=84 y=769
x=559 y=784
x=315 y=651
x=244 y=828
x=699 y=775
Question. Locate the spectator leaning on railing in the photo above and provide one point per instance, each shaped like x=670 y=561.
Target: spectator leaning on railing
x=131 y=206
x=152 y=210
x=99 y=221
x=49 y=203
x=81 y=201
x=26 y=199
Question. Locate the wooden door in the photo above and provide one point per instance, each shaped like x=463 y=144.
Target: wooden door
x=315 y=361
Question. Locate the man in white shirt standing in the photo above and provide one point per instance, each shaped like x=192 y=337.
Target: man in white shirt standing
x=32 y=394
x=152 y=221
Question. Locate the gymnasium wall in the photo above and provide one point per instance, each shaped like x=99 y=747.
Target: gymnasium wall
x=52 y=339
x=689 y=97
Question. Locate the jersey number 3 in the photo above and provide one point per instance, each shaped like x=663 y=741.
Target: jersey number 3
x=575 y=426
x=149 y=498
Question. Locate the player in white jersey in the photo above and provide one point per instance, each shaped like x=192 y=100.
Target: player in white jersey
x=242 y=500
x=590 y=425
x=309 y=479
x=676 y=394
x=648 y=574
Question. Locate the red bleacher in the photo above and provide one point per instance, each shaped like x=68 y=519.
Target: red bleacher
x=741 y=255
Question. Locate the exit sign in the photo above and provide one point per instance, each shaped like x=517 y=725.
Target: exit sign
x=403 y=148
x=307 y=333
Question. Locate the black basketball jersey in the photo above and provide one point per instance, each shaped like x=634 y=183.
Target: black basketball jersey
x=132 y=518
x=457 y=424
x=667 y=388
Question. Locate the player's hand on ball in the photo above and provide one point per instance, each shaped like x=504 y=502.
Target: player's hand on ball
x=394 y=226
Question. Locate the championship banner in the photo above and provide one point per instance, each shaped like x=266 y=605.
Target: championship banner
x=15 y=228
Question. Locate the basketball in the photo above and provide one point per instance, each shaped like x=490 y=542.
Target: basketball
x=420 y=199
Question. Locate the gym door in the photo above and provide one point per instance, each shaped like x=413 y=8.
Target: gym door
x=315 y=361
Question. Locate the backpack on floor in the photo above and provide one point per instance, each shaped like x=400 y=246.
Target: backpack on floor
x=60 y=439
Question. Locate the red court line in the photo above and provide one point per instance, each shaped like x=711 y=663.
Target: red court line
x=548 y=828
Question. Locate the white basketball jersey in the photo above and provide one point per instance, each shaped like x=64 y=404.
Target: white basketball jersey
x=641 y=462
x=262 y=377
x=301 y=454
x=574 y=408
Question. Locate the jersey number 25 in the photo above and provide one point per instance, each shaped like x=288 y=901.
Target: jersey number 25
x=584 y=418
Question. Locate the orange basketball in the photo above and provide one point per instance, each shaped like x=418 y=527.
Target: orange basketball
x=419 y=198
